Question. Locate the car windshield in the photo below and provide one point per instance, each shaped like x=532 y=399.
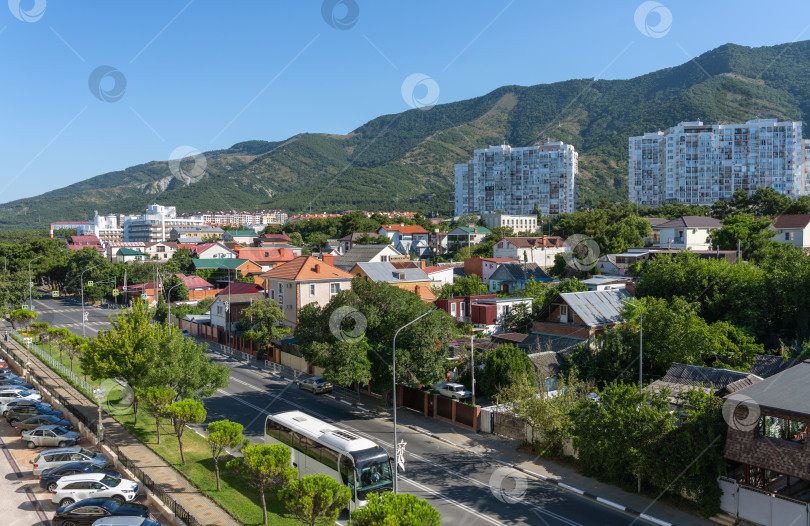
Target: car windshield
x=25 y=393
x=110 y=481
x=88 y=453
x=59 y=431
x=375 y=474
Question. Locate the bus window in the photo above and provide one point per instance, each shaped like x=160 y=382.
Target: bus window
x=347 y=472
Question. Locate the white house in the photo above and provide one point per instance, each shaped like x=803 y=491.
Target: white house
x=406 y=238
x=213 y=251
x=792 y=229
x=688 y=232
x=540 y=250
x=440 y=275
x=161 y=250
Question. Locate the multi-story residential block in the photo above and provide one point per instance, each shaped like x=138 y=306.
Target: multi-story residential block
x=518 y=180
x=698 y=163
x=518 y=223
x=156 y=224
x=198 y=233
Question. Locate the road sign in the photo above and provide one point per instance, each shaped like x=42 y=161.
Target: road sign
x=25 y=307
x=89 y=283
x=144 y=296
x=32 y=283
x=115 y=292
x=55 y=294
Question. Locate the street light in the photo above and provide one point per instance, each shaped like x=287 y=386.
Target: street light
x=30 y=286
x=99 y=395
x=472 y=362
x=5 y=259
x=640 y=355
x=394 y=359
x=169 y=300
x=81 y=279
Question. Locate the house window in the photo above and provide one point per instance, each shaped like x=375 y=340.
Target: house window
x=220 y=310
x=311 y=289
x=774 y=427
x=281 y=288
x=788 y=236
x=334 y=288
x=272 y=294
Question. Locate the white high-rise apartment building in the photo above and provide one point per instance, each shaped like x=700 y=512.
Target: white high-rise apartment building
x=514 y=180
x=694 y=163
x=155 y=224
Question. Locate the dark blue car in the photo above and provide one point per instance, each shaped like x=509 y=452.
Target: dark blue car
x=87 y=511
x=49 y=477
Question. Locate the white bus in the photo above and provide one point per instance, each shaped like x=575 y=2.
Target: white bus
x=318 y=447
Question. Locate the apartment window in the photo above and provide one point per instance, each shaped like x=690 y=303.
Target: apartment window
x=281 y=288
x=311 y=289
x=272 y=294
x=334 y=288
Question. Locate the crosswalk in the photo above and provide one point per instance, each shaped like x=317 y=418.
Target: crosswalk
x=71 y=325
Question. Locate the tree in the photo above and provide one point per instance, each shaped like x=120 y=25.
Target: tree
x=505 y=365
x=76 y=347
x=58 y=336
x=182 y=413
x=157 y=401
x=13 y=290
x=753 y=234
x=181 y=363
x=182 y=260
x=176 y=288
x=344 y=362
x=463 y=253
x=265 y=467
x=224 y=435
x=402 y=509
x=22 y=318
x=297 y=240
x=519 y=319
x=261 y=322
x=316 y=499
x=40 y=328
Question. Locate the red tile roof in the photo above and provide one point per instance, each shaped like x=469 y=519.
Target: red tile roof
x=545 y=241
x=792 y=221
x=431 y=270
x=261 y=255
x=237 y=287
x=304 y=268
x=194 y=282
x=405 y=229
x=84 y=240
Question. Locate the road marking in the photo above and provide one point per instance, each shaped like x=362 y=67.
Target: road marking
x=451 y=501
x=611 y=503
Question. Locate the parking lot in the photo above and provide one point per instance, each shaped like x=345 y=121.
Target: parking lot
x=26 y=503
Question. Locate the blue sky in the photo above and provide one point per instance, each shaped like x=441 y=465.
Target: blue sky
x=209 y=74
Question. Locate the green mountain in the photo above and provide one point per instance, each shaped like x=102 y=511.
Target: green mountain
x=405 y=161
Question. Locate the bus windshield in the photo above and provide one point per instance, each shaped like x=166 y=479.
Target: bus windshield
x=375 y=474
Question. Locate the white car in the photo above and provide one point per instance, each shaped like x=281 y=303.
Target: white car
x=452 y=390
x=74 y=488
x=7 y=395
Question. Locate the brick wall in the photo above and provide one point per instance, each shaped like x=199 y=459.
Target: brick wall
x=561 y=329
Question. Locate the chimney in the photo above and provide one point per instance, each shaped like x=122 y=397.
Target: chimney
x=545 y=239
x=422 y=264
x=317 y=268
x=402 y=224
x=329 y=259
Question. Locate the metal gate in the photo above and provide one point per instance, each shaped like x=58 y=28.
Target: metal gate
x=413 y=399
x=506 y=425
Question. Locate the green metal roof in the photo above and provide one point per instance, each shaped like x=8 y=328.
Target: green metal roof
x=130 y=252
x=241 y=233
x=475 y=229
x=229 y=263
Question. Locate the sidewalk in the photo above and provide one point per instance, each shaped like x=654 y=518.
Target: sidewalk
x=199 y=507
x=504 y=450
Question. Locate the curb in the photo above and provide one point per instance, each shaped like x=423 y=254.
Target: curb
x=552 y=481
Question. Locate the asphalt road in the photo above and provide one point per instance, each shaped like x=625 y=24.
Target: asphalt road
x=466 y=490
x=63 y=313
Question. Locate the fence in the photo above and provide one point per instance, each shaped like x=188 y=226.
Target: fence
x=54 y=364
x=761 y=507
x=154 y=487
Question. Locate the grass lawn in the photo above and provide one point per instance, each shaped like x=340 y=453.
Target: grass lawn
x=236 y=496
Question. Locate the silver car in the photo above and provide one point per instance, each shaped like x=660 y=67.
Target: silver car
x=74 y=488
x=49 y=436
x=316 y=384
x=53 y=458
x=7 y=395
x=126 y=521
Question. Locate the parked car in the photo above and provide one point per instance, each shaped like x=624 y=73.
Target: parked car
x=316 y=384
x=7 y=395
x=54 y=458
x=49 y=477
x=49 y=436
x=7 y=406
x=452 y=390
x=87 y=511
x=15 y=381
x=42 y=420
x=185 y=333
x=126 y=521
x=24 y=412
x=74 y=488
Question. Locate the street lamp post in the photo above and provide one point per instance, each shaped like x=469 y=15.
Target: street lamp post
x=472 y=363
x=640 y=355
x=394 y=372
x=30 y=286
x=81 y=279
x=99 y=395
x=169 y=301
x=5 y=259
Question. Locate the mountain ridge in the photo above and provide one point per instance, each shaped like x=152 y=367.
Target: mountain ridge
x=397 y=161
